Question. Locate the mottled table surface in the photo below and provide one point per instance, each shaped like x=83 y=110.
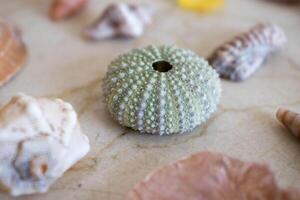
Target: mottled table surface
x=62 y=64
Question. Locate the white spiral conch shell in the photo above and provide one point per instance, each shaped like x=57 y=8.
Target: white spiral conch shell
x=120 y=20
x=290 y=120
x=39 y=140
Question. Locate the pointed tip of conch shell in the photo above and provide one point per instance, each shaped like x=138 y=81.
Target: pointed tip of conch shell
x=290 y=119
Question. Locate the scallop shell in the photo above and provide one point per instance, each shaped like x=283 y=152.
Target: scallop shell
x=161 y=90
x=238 y=59
x=61 y=9
x=39 y=140
x=13 y=53
x=290 y=120
x=120 y=20
x=211 y=176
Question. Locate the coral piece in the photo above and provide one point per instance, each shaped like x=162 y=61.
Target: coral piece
x=290 y=120
x=65 y=8
x=120 y=20
x=240 y=58
x=201 y=5
x=13 y=52
x=39 y=140
x=161 y=90
x=211 y=176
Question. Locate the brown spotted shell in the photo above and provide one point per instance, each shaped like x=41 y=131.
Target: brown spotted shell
x=239 y=58
x=13 y=52
x=211 y=176
x=290 y=120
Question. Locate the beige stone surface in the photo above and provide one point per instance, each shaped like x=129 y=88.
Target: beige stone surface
x=62 y=64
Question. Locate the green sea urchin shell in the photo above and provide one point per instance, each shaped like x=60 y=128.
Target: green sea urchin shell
x=161 y=90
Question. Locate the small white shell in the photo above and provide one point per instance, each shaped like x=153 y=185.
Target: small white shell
x=120 y=20
x=290 y=120
x=39 y=140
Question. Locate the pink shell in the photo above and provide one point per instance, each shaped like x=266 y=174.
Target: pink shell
x=211 y=176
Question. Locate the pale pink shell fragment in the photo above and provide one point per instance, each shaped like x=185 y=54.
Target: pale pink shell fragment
x=210 y=176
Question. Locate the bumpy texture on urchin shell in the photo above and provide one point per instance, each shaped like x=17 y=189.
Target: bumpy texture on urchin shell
x=239 y=58
x=156 y=102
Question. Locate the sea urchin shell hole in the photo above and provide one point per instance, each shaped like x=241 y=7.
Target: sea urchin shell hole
x=162 y=66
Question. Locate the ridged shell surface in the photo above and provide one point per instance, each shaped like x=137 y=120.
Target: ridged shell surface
x=241 y=57
x=161 y=90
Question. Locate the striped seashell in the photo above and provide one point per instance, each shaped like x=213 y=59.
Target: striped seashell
x=161 y=90
x=290 y=120
x=238 y=59
x=13 y=52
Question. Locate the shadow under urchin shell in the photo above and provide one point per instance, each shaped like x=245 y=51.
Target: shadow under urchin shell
x=161 y=90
